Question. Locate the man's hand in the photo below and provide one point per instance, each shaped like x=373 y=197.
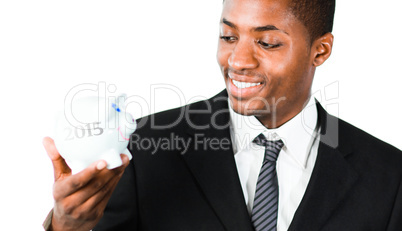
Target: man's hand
x=80 y=199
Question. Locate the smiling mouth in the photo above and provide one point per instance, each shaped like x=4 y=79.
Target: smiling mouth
x=240 y=81
x=242 y=85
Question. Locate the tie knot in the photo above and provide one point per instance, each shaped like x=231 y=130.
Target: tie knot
x=272 y=148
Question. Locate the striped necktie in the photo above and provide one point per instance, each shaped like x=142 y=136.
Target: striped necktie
x=265 y=208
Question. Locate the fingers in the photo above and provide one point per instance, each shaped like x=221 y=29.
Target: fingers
x=92 y=208
x=89 y=200
x=60 y=166
x=96 y=175
x=73 y=183
x=87 y=182
x=126 y=161
x=102 y=198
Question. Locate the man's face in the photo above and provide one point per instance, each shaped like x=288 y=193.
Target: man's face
x=265 y=57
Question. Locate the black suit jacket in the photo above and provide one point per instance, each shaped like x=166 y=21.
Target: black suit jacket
x=355 y=184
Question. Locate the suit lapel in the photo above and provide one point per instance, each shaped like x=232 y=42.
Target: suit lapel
x=214 y=169
x=211 y=161
x=330 y=181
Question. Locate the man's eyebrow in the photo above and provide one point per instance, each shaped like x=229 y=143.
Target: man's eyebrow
x=225 y=21
x=268 y=28
x=265 y=28
x=257 y=29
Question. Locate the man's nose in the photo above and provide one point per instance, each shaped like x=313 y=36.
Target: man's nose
x=243 y=57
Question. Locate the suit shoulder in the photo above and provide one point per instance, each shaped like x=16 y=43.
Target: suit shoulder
x=369 y=147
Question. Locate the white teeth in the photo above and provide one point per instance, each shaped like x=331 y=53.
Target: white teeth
x=239 y=84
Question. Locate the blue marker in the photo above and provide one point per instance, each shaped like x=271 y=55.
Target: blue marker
x=115 y=107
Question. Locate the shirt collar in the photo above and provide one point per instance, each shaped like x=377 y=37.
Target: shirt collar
x=298 y=134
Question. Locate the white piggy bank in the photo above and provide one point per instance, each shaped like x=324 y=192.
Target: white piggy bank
x=94 y=128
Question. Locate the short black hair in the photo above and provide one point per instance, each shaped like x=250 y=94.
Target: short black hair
x=316 y=15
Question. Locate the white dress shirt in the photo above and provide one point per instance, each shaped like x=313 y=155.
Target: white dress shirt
x=295 y=161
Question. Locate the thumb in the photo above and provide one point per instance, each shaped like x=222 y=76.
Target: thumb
x=60 y=166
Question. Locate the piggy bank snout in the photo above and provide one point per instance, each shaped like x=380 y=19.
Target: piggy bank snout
x=126 y=126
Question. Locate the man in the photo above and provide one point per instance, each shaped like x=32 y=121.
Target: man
x=206 y=173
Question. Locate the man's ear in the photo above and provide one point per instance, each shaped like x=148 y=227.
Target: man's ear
x=322 y=48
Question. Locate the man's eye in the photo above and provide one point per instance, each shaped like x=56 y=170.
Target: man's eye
x=228 y=38
x=268 y=45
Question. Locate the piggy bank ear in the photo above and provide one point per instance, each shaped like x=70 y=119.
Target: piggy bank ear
x=121 y=102
x=126 y=121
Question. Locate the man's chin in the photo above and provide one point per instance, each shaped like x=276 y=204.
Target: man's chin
x=246 y=110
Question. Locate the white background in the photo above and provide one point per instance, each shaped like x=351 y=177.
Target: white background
x=48 y=47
